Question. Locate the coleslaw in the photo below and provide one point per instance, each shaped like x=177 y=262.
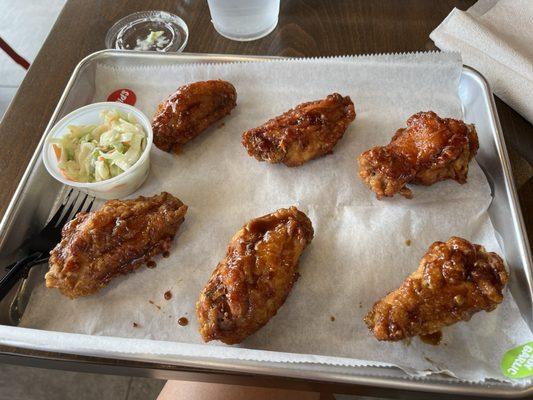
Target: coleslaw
x=155 y=40
x=94 y=153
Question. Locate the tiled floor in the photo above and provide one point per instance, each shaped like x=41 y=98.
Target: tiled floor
x=23 y=383
x=14 y=16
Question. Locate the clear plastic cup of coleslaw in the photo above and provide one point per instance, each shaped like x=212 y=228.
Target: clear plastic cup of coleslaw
x=119 y=186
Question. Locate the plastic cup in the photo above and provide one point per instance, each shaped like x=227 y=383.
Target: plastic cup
x=244 y=20
x=121 y=185
x=132 y=31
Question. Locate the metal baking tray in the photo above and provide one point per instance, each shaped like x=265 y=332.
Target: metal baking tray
x=38 y=192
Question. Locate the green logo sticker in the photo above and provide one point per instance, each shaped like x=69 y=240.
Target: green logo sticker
x=518 y=362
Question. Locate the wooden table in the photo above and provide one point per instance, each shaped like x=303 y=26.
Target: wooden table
x=306 y=28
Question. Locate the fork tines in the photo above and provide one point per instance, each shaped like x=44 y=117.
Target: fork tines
x=73 y=203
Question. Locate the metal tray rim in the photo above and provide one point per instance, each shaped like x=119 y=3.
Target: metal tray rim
x=459 y=387
x=277 y=369
x=505 y=162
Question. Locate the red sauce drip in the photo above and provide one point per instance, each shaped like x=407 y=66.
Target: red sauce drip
x=135 y=324
x=166 y=254
x=332 y=318
x=167 y=295
x=183 y=321
x=151 y=264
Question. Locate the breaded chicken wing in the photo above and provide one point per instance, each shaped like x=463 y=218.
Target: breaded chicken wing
x=190 y=111
x=252 y=282
x=455 y=280
x=429 y=150
x=303 y=133
x=116 y=239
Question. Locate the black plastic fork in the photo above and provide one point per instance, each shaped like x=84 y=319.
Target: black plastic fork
x=38 y=247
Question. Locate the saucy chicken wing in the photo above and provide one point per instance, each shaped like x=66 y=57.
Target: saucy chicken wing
x=190 y=111
x=116 y=239
x=303 y=133
x=251 y=283
x=454 y=280
x=429 y=150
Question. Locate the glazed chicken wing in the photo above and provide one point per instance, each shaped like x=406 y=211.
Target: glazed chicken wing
x=306 y=132
x=429 y=150
x=252 y=282
x=190 y=111
x=455 y=280
x=116 y=239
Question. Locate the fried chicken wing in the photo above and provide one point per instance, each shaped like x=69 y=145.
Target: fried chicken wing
x=251 y=283
x=429 y=150
x=303 y=133
x=190 y=111
x=116 y=239
x=454 y=281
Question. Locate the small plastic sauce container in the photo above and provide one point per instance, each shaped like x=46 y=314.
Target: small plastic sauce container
x=119 y=186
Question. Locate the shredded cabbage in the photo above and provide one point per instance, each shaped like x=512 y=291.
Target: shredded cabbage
x=94 y=153
x=155 y=40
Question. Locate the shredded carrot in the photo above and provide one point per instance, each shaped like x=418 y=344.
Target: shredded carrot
x=66 y=176
x=57 y=151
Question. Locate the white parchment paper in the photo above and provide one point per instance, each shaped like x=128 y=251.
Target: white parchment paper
x=359 y=252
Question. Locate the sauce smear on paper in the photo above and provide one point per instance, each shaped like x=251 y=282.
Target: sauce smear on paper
x=432 y=338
